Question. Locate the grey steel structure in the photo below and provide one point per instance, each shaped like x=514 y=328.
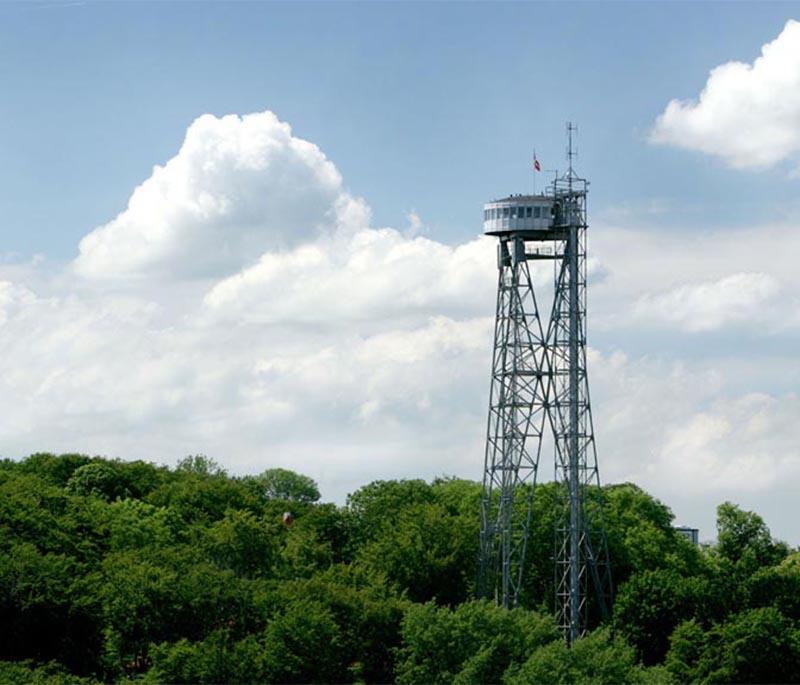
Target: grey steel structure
x=539 y=397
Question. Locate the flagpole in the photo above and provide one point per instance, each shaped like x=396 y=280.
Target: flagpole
x=534 y=171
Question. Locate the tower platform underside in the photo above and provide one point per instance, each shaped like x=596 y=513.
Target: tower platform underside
x=534 y=235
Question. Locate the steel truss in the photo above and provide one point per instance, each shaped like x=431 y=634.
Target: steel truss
x=540 y=390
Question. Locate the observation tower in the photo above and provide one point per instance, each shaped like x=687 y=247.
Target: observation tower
x=539 y=400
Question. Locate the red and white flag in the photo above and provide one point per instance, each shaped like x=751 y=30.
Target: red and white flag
x=536 y=165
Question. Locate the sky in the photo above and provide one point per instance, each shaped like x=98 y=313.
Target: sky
x=252 y=231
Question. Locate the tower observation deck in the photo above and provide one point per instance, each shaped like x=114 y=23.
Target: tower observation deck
x=532 y=215
x=539 y=399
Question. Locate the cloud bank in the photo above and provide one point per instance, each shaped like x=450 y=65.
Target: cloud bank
x=747 y=114
x=244 y=306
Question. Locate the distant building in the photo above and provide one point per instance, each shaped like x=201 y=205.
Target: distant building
x=691 y=534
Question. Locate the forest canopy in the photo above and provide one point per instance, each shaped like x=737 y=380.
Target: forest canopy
x=115 y=571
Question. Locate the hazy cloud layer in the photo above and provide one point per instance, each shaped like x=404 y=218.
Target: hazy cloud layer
x=747 y=114
x=678 y=427
x=695 y=281
x=294 y=334
x=739 y=298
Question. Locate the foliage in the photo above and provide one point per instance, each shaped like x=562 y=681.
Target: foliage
x=776 y=586
x=650 y=606
x=96 y=479
x=375 y=507
x=56 y=470
x=597 y=658
x=474 y=643
x=245 y=544
x=43 y=615
x=428 y=554
x=285 y=485
x=755 y=646
x=201 y=465
x=365 y=609
x=744 y=539
x=318 y=538
x=116 y=571
x=422 y=537
x=641 y=536
x=218 y=658
x=32 y=674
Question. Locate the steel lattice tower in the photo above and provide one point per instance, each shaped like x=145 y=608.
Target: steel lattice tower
x=540 y=392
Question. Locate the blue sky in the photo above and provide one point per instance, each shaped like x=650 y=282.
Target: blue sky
x=319 y=297
x=424 y=107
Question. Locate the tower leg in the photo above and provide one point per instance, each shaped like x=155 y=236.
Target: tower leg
x=517 y=413
x=575 y=527
x=581 y=542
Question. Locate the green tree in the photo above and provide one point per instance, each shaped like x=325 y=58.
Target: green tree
x=244 y=544
x=203 y=494
x=639 y=532
x=39 y=615
x=218 y=658
x=31 y=673
x=366 y=611
x=141 y=478
x=33 y=510
x=641 y=536
x=304 y=645
x=200 y=465
x=138 y=598
x=376 y=506
x=286 y=485
x=744 y=539
x=777 y=586
x=474 y=643
x=163 y=595
x=596 y=658
x=458 y=496
x=56 y=469
x=687 y=646
x=652 y=603
x=120 y=570
x=323 y=526
x=755 y=646
x=98 y=479
x=428 y=553
x=133 y=524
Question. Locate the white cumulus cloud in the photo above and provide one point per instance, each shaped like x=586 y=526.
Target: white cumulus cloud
x=748 y=115
x=237 y=186
x=372 y=275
